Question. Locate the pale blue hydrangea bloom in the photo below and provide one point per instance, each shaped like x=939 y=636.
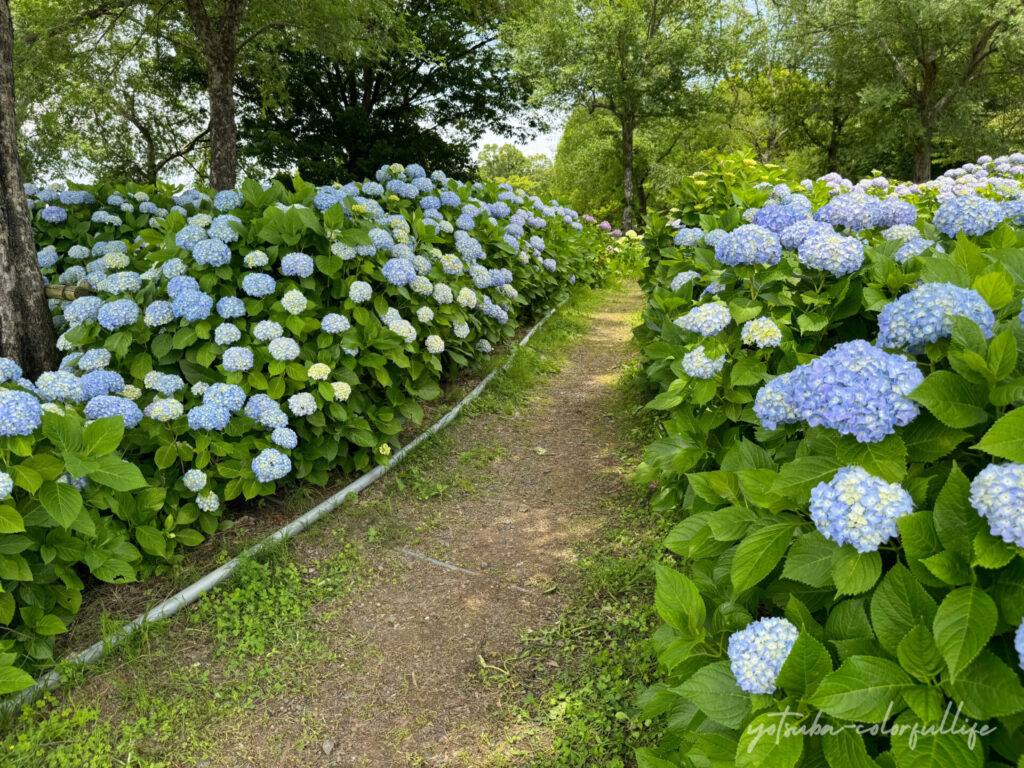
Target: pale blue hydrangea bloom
x=761 y=332
x=208 y=417
x=757 y=653
x=208 y=502
x=6 y=485
x=237 y=359
x=297 y=265
x=697 y=364
x=231 y=396
x=302 y=404
x=117 y=314
x=92 y=360
x=283 y=349
x=11 y=371
x=833 y=253
x=258 y=284
x=969 y=214
x=705 y=319
x=195 y=480
x=854 y=388
x=284 y=437
x=192 y=306
x=682 y=279
x=105 y=406
x=434 y=344
x=230 y=306
x=179 y=284
x=855 y=210
x=687 y=236
x=859 y=509
x=926 y=314
x=443 y=293
x=20 y=413
x=425 y=314
x=334 y=323
x=212 y=252
x=294 y=302
x=267 y=330
x=102 y=382
x=360 y=292
x=997 y=494
x=164 y=409
x=270 y=465
x=913 y=248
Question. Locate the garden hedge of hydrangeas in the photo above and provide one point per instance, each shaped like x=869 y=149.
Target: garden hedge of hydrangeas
x=237 y=342
x=840 y=368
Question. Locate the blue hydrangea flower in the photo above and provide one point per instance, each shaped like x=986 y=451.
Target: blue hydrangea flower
x=255 y=259
x=178 y=285
x=705 y=319
x=117 y=314
x=855 y=210
x=833 y=253
x=111 y=405
x=173 y=268
x=164 y=409
x=757 y=653
x=192 y=305
x=189 y=236
x=360 y=292
x=854 y=388
x=47 y=257
x=231 y=396
x=158 y=313
x=237 y=359
x=334 y=323
x=894 y=212
x=398 y=272
x=283 y=349
x=121 y=282
x=6 y=485
x=230 y=306
x=682 y=279
x=258 y=284
x=911 y=249
x=777 y=218
x=226 y=334
x=969 y=214
x=20 y=413
x=83 y=309
x=271 y=465
x=10 y=370
x=195 y=480
x=164 y=383
x=761 y=332
x=302 y=404
x=687 y=236
x=54 y=214
x=297 y=265
x=212 y=252
x=434 y=344
x=94 y=359
x=997 y=494
x=227 y=199
x=208 y=417
x=208 y=502
x=96 y=383
x=1018 y=644
x=284 y=437
x=697 y=364
x=859 y=509
x=926 y=314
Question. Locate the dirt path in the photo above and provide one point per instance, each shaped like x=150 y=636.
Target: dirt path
x=401 y=690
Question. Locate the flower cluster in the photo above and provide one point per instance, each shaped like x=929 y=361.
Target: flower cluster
x=757 y=653
x=854 y=388
x=761 y=332
x=749 y=244
x=997 y=494
x=859 y=509
x=705 y=319
x=969 y=214
x=926 y=314
x=697 y=364
x=832 y=252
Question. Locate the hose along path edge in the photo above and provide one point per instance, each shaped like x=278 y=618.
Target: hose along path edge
x=197 y=589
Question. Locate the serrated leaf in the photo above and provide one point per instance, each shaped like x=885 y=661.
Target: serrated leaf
x=963 y=624
x=953 y=401
x=61 y=501
x=805 y=667
x=758 y=554
x=1005 y=438
x=809 y=560
x=855 y=572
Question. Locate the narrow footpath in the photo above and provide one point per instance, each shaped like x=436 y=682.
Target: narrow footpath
x=469 y=549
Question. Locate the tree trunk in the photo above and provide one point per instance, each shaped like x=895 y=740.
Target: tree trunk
x=923 y=158
x=218 y=39
x=641 y=200
x=223 y=131
x=27 y=335
x=627 y=173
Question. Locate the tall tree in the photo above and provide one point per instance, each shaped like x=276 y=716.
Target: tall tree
x=923 y=57
x=637 y=60
x=441 y=79
x=26 y=328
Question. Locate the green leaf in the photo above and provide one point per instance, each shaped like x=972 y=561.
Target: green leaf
x=927 y=439
x=918 y=653
x=678 y=602
x=798 y=477
x=10 y=520
x=988 y=688
x=1005 y=438
x=805 y=667
x=810 y=560
x=845 y=748
x=936 y=748
x=103 y=435
x=953 y=401
x=996 y=288
x=715 y=692
x=117 y=474
x=13 y=679
x=49 y=625
x=862 y=689
x=758 y=553
x=955 y=520
x=63 y=432
x=763 y=745
x=899 y=603
x=963 y=625
x=151 y=540
x=855 y=572
x=1002 y=355
x=61 y=501
x=26 y=477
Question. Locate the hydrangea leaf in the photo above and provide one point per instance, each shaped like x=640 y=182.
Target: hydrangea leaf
x=963 y=624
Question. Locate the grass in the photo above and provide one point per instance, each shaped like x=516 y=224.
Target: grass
x=179 y=688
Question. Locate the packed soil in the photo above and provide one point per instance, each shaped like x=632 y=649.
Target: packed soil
x=402 y=684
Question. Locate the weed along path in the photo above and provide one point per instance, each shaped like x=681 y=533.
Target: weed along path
x=366 y=641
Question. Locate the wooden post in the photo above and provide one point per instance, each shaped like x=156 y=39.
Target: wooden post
x=68 y=292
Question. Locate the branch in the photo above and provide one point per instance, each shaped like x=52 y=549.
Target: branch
x=185 y=150
x=256 y=33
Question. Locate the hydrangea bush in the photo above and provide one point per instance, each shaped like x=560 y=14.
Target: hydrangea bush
x=238 y=341
x=844 y=450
